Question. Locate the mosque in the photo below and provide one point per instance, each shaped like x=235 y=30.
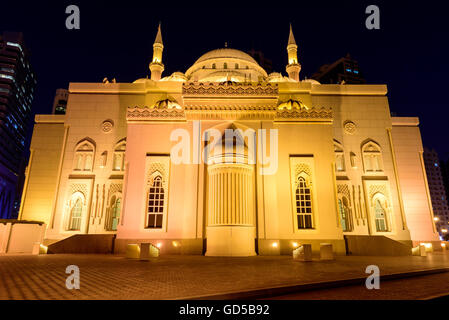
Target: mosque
x=297 y=162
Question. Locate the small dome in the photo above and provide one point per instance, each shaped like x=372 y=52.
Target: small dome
x=175 y=76
x=312 y=81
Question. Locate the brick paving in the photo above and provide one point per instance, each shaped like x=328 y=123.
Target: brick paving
x=177 y=277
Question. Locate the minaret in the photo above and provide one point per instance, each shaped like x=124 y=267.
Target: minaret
x=156 y=65
x=293 y=67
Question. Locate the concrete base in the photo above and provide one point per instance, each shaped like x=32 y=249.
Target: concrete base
x=231 y=241
x=267 y=247
x=303 y=253
x=166 y=246
x=326 y=251
x=147 y=251
x=133 y=251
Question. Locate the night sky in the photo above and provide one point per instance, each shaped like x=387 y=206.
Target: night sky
x=409 y=53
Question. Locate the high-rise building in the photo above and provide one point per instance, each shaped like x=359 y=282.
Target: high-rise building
x=60 y=101
x=17 y=84
x=437 y=191
x=345 y=70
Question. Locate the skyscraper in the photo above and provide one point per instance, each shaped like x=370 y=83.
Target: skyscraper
x=437 y=191
x=344 y=69
x=17 y=84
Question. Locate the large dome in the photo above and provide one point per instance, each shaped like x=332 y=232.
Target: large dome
x=226 y=64
x=226 y=53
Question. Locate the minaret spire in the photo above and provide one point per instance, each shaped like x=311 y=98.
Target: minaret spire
x=291 y=37
x=293 y=67
x=156 y=65
x=159 y=35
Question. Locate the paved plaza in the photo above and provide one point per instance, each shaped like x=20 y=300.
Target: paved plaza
x=181 y=277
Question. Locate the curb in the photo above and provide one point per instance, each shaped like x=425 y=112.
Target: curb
x=290 y=289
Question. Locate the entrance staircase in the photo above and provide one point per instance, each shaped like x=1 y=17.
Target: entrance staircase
x=376 y=246
x=84 y=243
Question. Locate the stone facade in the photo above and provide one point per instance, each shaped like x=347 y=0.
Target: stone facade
x=330 y=162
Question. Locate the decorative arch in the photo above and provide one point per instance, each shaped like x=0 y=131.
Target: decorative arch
x=344 y=208
x=114 y=210
x=303 y=200
x=379 y=203
x=340 y=165
x=156 y=193
x=372 y=156
x=77 y=203
x=118 y=163
x=84 y=155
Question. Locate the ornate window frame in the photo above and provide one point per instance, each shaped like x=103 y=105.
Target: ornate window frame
x=372 y=157
x=303 y=167
x=344 y=195
x=74 y=197
x=379 y=190
x=156 y=166
x=118 y=156
x=340 y=164
x=84 y=150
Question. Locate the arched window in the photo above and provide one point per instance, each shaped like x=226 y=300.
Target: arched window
x=119 y=157
x=156 y=201
x=84 y=156
x=213 y=66
x=236 y=65
x=339 y=158
x=115 y=212
x=225 y=65
x=380 y=215
x=345 y=214
x=303 y=199
x=76 y=215
x=372 y=157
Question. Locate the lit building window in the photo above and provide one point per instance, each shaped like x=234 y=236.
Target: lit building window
x=303 y=199
x=380 y=216
x=76 y=214
x=115 y=209
x=156 y=200
x=13 y=44
x=6 y=76
x=345 y=214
